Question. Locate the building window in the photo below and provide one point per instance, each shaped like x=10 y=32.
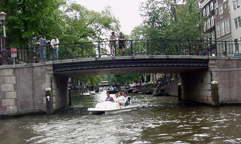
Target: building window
x=236 y=4
x=204 y=12
x=222 y=28
x=236 y=45
x=212 y=21
x=220 y=9
x=218 y=30
x=211 y=6
x=236 y=23
x=239 y=21
x=208 y=23
x=204 y=28
x=216 y=5
x=213 y=36
x=207 y=8
x=227 y=25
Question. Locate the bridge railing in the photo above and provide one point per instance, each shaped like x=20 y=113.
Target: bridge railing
x=134 y=47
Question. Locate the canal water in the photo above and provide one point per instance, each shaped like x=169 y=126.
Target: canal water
x=158 y=120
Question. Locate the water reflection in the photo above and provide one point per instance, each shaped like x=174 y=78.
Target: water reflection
x=159 y=120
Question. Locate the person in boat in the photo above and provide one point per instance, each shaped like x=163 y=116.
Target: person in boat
x=119 y=98
x=111 y=88
x=109 y=98
x=116 y=94
x=127 y=99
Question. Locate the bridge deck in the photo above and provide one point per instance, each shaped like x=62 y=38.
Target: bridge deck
x=130 y=64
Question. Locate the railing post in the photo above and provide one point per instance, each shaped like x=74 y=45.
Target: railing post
x=147 y=48
x=164 y=45
x=65 y=49
x=33 y=57
x=82 y=49
x=99 y=49
x=115 y=48
x=226 y=49
x=210 y=43
x=131 y=47
x=48 y=49
x=216 y=47
x=179 y=47
x=195 y=47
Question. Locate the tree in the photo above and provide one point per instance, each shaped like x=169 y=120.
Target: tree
x=26 y=19
x=84 y=25
x=138 y=34
x=92 y=80
x=157 y=14
x=175 y=25
x=187 y=25
x=70 y=22
x=126 y=78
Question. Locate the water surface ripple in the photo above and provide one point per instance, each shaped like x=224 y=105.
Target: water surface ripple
x=159 y=120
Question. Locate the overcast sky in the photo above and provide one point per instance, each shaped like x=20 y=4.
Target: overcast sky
x=127 y=11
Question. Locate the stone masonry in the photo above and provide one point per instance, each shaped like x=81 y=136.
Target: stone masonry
x=8 y=93
x=22 y=87
x=227 y=73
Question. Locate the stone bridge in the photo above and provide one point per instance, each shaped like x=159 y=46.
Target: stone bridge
x=23 y=86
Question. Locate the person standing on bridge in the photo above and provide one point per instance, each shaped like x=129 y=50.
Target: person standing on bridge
x=122 y=45
x=55 y=45
x=42 y=48
x=112 y=43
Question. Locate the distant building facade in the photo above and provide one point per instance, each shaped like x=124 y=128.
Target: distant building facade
x=223 y=27
x=207 y=9
x=235 y=18
x=223 y=24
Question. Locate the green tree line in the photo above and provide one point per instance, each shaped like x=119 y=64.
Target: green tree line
x=70 y=22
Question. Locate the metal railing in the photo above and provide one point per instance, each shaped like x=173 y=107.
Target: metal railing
x=134 y=47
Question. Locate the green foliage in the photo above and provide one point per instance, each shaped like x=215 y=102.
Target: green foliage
x=92 y=80
x=26 y=19
x=70 y=22
x=175 y=26
x=84 y=25
x=170 y=20
x=126 y=78
x=187 y=25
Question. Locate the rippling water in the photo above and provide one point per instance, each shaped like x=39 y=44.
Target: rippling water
x=159 y=120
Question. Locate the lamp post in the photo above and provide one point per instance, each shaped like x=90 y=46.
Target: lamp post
x=3 y=48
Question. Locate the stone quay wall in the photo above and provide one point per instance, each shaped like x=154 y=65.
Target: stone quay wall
x=23 y=89
x=227 y=73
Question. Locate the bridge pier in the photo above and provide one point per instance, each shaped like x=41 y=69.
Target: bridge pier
x=60 y=92
x=23 y=89
x=196 y=87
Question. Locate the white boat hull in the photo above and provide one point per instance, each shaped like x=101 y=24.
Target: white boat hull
x=110 y=108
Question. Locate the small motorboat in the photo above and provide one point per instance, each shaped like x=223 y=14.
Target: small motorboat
x=160 y=92
x=109 y=107
x=86 y=94
x=92 y=92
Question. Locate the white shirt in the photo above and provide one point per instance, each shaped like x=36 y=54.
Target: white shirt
x=120 y=99
x=54 y=42
x=126 y=98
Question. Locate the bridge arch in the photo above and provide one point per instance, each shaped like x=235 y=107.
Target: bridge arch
x=131 y=64
x=23 y=86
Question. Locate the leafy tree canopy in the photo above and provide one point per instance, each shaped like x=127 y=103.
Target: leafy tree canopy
x=70 y=22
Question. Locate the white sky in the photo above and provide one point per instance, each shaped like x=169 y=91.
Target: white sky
x=126 y=11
